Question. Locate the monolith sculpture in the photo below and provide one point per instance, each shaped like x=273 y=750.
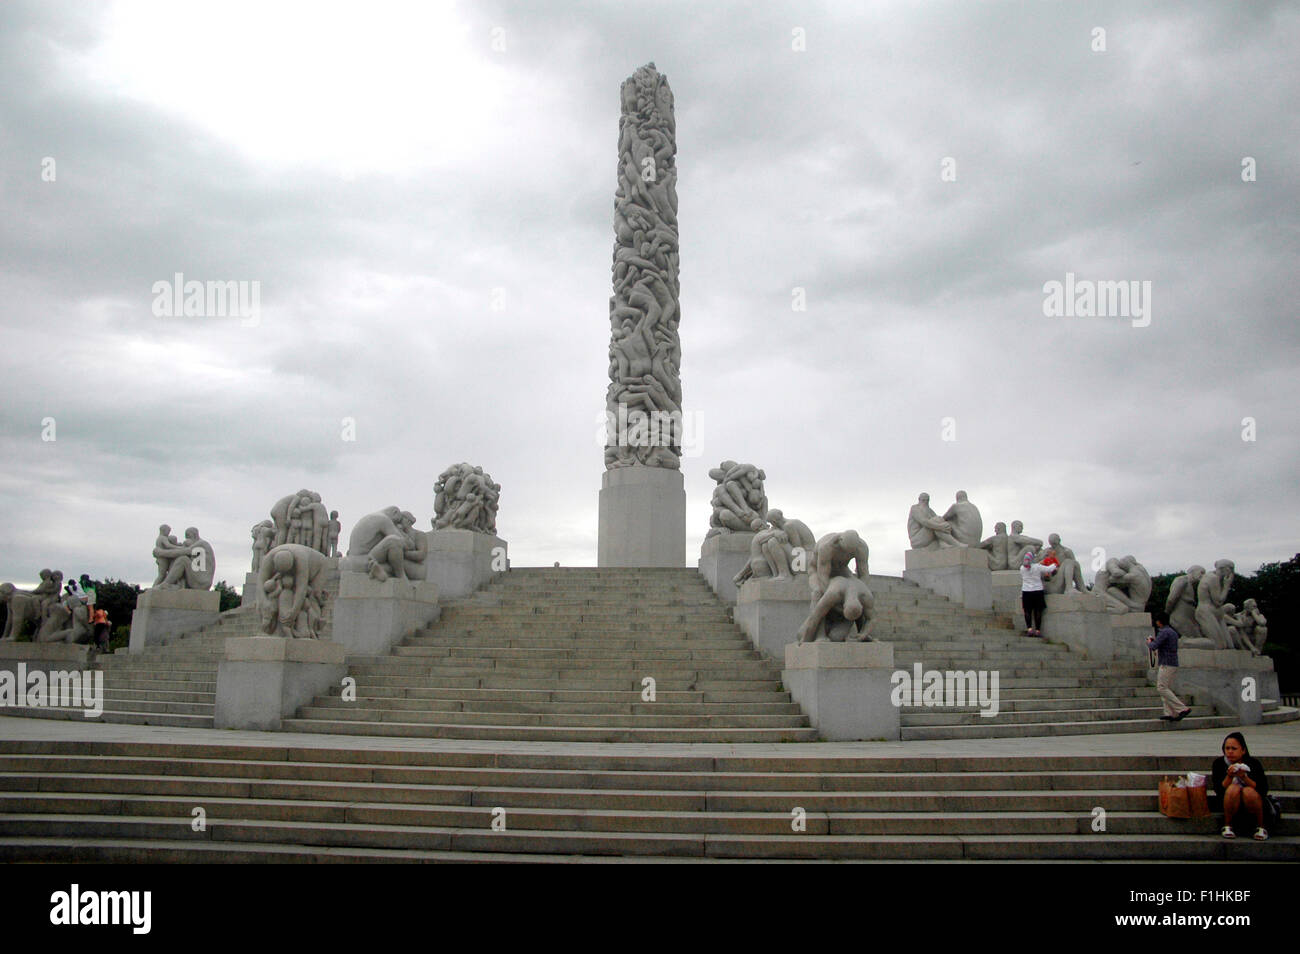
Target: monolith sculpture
x=642 y=495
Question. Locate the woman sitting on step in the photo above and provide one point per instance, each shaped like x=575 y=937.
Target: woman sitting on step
x=1239 y=780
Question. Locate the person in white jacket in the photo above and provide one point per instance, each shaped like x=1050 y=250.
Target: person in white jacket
x=1032 y=599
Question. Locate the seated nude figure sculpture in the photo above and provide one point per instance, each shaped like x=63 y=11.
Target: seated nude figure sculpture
x=191 y=565
x=1125 y=585
x=1021 y=543
x=1181 y=604
x=999 y=548
x=1211 y=594
x=1247 y=629
x=389 y=544
x=1069 y=573
x=926 y=529
x=842 y=604
x=965 y=520
x=776 y=552
x=23 y=607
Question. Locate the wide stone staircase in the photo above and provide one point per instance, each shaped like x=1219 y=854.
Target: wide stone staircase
x=138 y=802
x=571 y=655
x=1043 y=688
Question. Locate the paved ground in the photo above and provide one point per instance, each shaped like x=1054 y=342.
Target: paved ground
x=1263 y=740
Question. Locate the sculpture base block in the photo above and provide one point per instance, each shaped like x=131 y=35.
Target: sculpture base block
x=1233 y=680
x=1128 y=635
x=1006 y=596
x=960 y=573
x=1081 y=622
x=264 y=679
x=371 y=615
x=642 y=518
x=163 y=615
x=844 y=688
x=248 y=595
x=770 y=612
x=722 y=556
x=44 y=656
x=462 y=561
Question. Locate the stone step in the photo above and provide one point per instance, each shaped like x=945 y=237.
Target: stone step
x=512 y=704
x=569 y=682
x=548 y=733
x=994 y=730
x=1054 y=813
x=763 y=696
x=356 y=713
x=661 y=669
x=971 y=716
x=491 y=654
x=802 y=845
x=123 y=716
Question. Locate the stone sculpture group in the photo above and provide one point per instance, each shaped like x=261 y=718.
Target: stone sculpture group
x=466 y=498
x=291 y=591
x=739 y=502
x=299 y=518
x=57 y=617
x=188 y=564
x=1198 y=609
x=842 y=603
x=782 y=547
x=390 y=545
x=1007 y=550
x=1125 y=585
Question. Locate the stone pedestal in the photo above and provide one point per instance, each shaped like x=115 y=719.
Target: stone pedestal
x=1080 y=621
x=370 y=615
x=960 y=573
x=248 y=595
x=46 y=657
x=1006 y=596
x=1233 y=680
x=642 y=518
x=1128 y=636
x=264 y=679
x=844 y=688
x=722 y=556
x=162 y=615
x=770 y=612
x=462 y=561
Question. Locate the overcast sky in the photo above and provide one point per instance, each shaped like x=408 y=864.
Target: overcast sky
x=388 y=174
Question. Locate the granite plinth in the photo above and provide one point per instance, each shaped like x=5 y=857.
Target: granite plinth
x=1233 y=680
x=770 y=612
x=163 y=615
x=960 y=573
x=722 y=556
x=262 y=680
x=642 y=518
x=844 y=688
x=44 y=656
x=462 y=561
x=370 y=615
x=1006 y=596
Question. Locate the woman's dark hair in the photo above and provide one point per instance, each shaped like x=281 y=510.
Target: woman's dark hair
x=1241 y=740
x=1160 y=619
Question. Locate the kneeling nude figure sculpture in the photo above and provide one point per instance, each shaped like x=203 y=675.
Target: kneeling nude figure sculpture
x=842 y=604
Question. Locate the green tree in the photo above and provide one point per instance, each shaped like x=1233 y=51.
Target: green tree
x=229 y=598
